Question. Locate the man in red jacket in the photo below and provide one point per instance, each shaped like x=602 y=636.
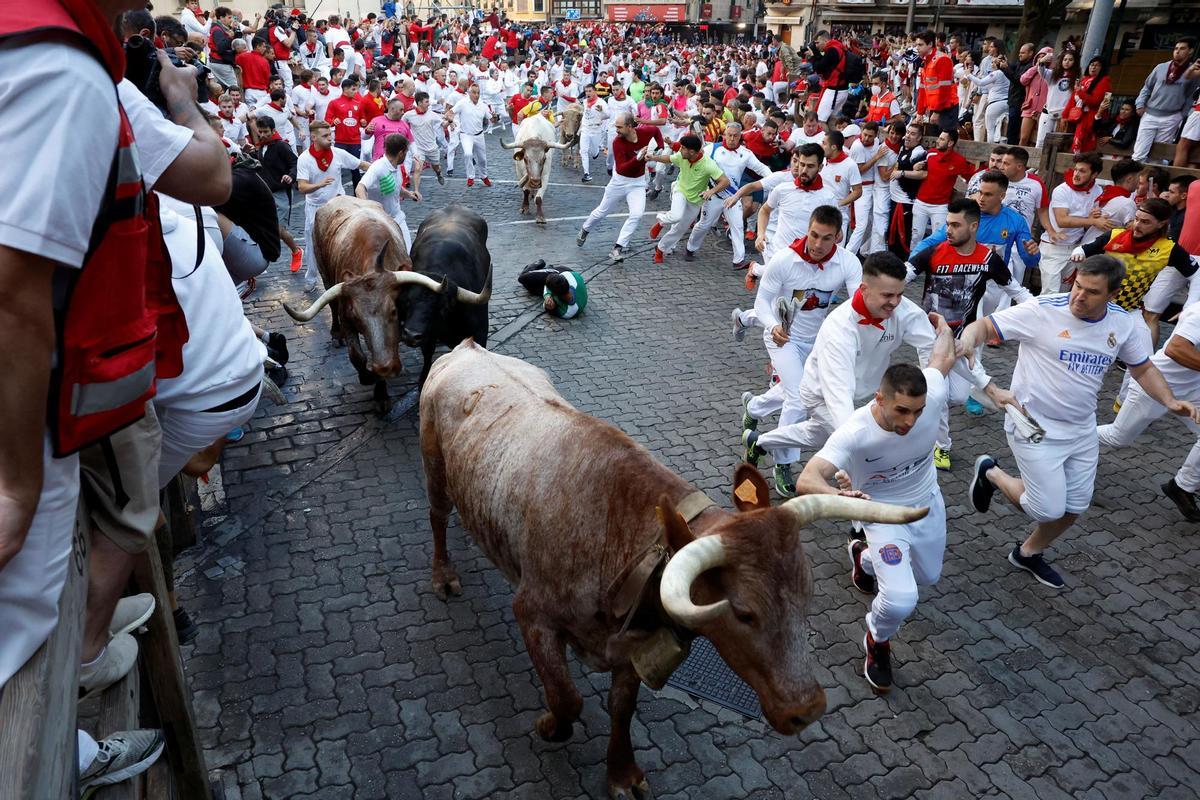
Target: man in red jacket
x=938 y=93
x=345 y=114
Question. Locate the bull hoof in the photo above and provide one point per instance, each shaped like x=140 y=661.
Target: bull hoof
x=549 y=728
x=382 y=407
x=541 y=220
x=524 y=209
x=445 y=582
x=635 y=791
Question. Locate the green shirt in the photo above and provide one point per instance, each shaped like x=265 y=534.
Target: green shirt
x=694 y=178
x=578 y=288
x=636 y=90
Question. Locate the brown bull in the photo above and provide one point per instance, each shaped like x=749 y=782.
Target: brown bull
x=568 y=134
x=569 y=509
x=362 y=258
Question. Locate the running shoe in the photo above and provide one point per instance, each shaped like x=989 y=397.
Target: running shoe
x=980 y=490
x=877 y=668
x=689 y=255
x=120 y=757
x=1184 y=500
x=658 y=256
x=751 y=281
x=739 y=328
x=617 y=253
x=785 y=484
x=442 y=179
x=487 y=181
x=297 y=259
x=941 y=458
x=656 y=230
x=749 y=423
x=587 y=177
x=974 y=407
x=470 y=182
x=131 y=613
x=858 y=576
x=753 y=453
x=1037 y=567
x=582 y=237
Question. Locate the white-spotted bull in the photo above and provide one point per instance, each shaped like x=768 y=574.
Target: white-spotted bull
x=570 y=118
x=534 y=140
x=580 y=519
x=362 y=259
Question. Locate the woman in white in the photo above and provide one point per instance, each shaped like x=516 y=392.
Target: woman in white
x=995 y=87
x=1061 y=80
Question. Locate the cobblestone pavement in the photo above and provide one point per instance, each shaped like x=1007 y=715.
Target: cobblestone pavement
x=325 y=666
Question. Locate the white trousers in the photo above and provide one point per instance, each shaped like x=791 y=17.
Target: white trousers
x=1056 y=259
x=1047 y=122
x=679 y=217
x=1059 y=474
x=185 y=433
x=32 y=581
x=960 y=390
x=311 y=272
x=712 y=211
x=811 y=433
x=784 y=396
x=1138 y=410
x=474 y=153
x=621 y=188
x=994 y=298
x=903 y=557
x=591 y=140
x=925 y=214
x=1154 y=128
x=870 y=223
x=451 y=144
x=978 y=122
x=830 y=103
x=993 y=121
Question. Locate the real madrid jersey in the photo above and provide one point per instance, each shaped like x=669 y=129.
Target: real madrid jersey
x=890 y=467
x=1063 y=359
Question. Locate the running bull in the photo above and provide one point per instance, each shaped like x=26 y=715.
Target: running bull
x=379 y=295
x=582 y=531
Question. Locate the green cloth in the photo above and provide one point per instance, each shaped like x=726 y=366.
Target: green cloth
x=636 y=90
x=578 y=288
x=694 y=178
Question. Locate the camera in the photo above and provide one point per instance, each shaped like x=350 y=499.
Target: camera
x=142 y=70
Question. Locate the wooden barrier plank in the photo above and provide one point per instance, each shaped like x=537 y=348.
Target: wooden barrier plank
x=168 y=684
x=38 y=705
x=1065 y=160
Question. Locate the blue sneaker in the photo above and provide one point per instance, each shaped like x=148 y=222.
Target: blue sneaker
x=1037 y=567
x=974 y=407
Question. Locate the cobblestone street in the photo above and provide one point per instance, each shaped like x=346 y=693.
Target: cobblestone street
x=327 y=668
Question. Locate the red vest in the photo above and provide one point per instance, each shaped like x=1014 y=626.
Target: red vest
x=121 y=325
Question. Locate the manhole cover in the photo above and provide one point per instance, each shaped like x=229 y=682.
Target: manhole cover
x=705 y=674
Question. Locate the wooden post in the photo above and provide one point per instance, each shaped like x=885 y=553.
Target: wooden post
x=38 y=759
x=168 y=684
x=180 y=504
x=1046 y=168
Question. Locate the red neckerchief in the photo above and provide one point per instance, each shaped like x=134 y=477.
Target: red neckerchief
x=592 y=102
x=272 y=105
x=1174 y=70
x=1069 y=180
x=839 y=158
x=812 y=187
x=222 y=115
x=860 y=307
x=99 y=31
x=727 y=147
x=1124 y=242
x=321 y=91
x=324 y=157
x=305 y=85
x=1111 y=192
x=800 y=248
x=275 y=137
x=895 y=148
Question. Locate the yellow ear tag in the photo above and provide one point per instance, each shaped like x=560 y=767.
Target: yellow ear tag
x=747 y=492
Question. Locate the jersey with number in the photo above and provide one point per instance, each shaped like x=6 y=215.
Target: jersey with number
x=1063 y=359
x=890 y=467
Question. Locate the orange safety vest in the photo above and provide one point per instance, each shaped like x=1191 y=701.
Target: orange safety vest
x=120 y=325
x=879 y=109
x=937 y=92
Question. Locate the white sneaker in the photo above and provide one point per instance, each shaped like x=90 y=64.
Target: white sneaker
x=131 y=613
x=114 y=663
x=120 y=757
x=739 y=327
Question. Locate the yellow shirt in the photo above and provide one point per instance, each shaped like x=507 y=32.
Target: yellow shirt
x=536 y=108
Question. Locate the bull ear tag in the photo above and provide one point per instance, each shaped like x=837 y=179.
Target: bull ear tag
x=660 y=655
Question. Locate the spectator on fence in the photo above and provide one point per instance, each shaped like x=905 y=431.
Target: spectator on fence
x=1164 y=97
x=1060 y=81
x=1035 y=95
x=1093 y=89
x=1016 y=90
x=1119 y=132
x=1177 y=196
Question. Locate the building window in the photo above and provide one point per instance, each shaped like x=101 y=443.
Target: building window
x=539 y=6
x=588 y=9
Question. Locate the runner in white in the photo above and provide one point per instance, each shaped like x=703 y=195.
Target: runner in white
x=852 y=349
x=842 y=176
x=1179 y=363
x=795 y=201
x=733 y=159
x=384 y=183
x=426 y=127
x=872 y=156
x=471 y=115
x=792 y=300
x=1068 y=342
x=591 y=129
x=1073 y=210
x=884 y=449
x=319 y=179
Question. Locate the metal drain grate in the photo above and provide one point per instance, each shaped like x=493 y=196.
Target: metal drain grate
x=705 y=674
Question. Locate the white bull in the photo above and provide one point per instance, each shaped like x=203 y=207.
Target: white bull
x=534 y=141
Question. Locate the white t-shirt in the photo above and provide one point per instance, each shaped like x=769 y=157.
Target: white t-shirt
x=1184 y=382
x=788 y=274
x=798 y=137
x=471 y=117
x=861 y=154
x=53 y=215
x=321 y=101
x=1077 y=204
x=1063 y=359
x=734 y=164
x=594 y=115
x=334 y=37
x=233 y=129
x=159 y=141
x=389 y=200
x=1026 y=196
x=890 y=467
x=793 y=208
x=1120 y=210
x=424 y=128
x=840 y=176
x=308 y=170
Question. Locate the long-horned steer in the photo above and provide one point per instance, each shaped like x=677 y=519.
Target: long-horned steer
x=532 y=159
x=361 y=256
x=581 y=519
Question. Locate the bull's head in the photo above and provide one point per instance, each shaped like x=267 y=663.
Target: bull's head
x=746 y=586
x=533 y=153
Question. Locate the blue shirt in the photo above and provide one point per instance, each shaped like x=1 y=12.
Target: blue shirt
x=1008 y=228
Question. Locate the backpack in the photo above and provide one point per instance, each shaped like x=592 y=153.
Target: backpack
x=854 y=69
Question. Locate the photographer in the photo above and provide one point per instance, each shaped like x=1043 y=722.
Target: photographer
x=220 y=47
x=281 y=34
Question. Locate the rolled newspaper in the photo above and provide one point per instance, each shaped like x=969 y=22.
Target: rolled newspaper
x=1026 y=426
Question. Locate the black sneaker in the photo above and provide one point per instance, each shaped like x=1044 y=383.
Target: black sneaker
x=278 y=375
x=877 y=668
x=1184 y=500
x=185 y=628
x=862 y=581
x=1037 y=567
x=785 y=484
x=587 y=177
x=857 y=535
x=980 y=490
x=581 y=238
x=753 y=453
x=277 y=348
x=655 y=192
x=689 y=255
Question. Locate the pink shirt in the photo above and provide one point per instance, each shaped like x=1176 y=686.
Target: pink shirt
x=385 y=126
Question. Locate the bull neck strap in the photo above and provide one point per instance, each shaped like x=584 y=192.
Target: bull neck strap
x=694 y=505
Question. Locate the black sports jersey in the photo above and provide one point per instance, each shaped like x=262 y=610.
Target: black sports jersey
x=954 y=283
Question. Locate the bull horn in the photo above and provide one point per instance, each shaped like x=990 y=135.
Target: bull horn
x=464 y=295
x=557 y=145
x=326 y=297
x=675 y=588
x=509 y=145
x=812 y=507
